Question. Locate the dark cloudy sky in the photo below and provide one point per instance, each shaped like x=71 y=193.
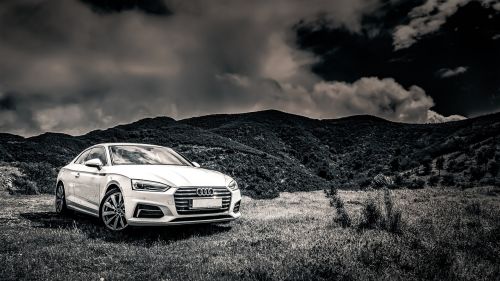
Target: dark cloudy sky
x=77 y=65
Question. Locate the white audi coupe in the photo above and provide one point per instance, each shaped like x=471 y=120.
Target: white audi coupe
x=139 y=184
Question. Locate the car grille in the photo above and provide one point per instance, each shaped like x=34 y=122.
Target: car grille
x=184 y=195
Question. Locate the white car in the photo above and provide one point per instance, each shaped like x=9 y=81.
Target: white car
x=138 y=184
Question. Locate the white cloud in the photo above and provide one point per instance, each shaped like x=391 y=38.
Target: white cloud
x=380 y=97
x=428 y=18
x=447 y=72
x=370 y=95
x=434 y=117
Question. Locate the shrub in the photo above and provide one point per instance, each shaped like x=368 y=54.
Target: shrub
x=398 y=180
x=22 y=185
x=382 y=181
x=473 y=208
x=394 y=219
x=332 y=192
x=416 y=184
x=42 y=175
x=493 y=168
x=342 y=217
x=448 y=180
x=476 y=173
x=451 y=165
x=427 y=166
x=390 y=220
x=371 y=216
x=395 y=164
x=433 y=180
x=364 y=183
x=440 y=164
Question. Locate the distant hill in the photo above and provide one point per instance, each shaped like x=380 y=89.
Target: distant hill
x=271 y=151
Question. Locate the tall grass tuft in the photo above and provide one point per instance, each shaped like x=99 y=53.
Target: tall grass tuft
x=386 y=217
x=342 y=217
x=393 y=217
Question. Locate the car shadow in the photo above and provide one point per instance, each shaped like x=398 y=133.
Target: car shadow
x=145 y=236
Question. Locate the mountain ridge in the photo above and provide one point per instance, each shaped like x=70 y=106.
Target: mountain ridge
x=271 y=151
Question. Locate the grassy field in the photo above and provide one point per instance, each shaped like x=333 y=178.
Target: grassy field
x=447 y=234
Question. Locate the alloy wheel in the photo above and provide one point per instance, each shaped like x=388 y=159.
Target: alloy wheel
x=60 y=199
x=113 y=212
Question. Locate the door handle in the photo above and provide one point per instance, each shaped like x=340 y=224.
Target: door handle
x=77 y=175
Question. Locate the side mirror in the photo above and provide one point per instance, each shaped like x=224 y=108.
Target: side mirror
x=96 y=163
x=196 y=164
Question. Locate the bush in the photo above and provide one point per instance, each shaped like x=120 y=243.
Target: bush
x=42 y=175
x=448 y=180
x=394 y=219
x=473 y=208
x=381 y=181
x=427 y=166
x=398 y=181
x=451 y=166
x=433 y=180
x=371 y=216
x=476 y=173
x=416 y=184
x=342 y=217
x=21 y=185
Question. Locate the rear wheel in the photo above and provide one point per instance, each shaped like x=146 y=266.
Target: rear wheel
x=113 y=211
x=61 y=207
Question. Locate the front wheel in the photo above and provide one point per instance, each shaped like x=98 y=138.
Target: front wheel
x=61 y=207
x=113 y=211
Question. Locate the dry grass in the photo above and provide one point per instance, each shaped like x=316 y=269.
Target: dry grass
x=448 y=234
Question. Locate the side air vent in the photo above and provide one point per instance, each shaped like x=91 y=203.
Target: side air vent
x=147 y=211
x=236 y=208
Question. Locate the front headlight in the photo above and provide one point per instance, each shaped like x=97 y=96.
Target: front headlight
x=142 y=185
x=233 y=185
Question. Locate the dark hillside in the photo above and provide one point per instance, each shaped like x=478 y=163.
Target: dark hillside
x=351 y=151
x=272 y=151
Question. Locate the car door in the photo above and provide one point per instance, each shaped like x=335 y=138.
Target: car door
x=73 y=178
x=90 y=179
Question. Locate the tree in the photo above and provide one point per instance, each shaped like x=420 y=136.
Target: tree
x=395 y=166
x=482 y=157
x=493 y=168
x=439 y=164
x=427 y=164
x=476 y=173
x=451 y=165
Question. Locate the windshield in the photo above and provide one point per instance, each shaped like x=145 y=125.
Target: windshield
x=145 y=155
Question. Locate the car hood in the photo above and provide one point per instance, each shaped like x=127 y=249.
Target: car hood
x=172 y=175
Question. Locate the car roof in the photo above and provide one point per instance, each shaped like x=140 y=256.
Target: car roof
x=125 y=143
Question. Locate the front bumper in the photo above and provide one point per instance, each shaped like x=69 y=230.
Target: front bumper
x=165 y=201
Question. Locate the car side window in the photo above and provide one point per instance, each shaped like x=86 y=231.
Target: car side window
x=99 y=153
x=81 y=159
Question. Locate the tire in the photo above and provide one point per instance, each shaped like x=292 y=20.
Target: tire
x=112 y=211
x=60 y=202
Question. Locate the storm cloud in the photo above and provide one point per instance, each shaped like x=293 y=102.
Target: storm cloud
x=74 y=66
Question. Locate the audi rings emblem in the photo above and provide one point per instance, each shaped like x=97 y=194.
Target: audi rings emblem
x=205 y=191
